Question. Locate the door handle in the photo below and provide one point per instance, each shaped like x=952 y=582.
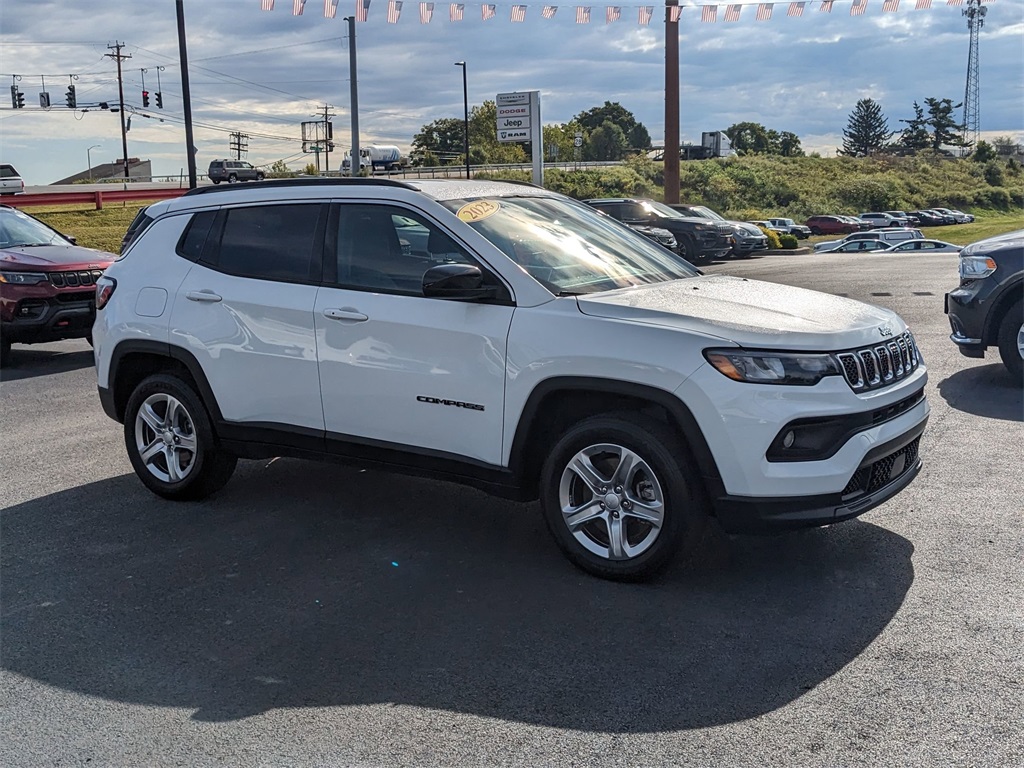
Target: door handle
x=205 y=295
x=347 y=313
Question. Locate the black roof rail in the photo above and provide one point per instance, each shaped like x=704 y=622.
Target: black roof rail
x=309 y=182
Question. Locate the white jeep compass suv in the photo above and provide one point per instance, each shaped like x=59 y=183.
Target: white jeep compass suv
x=507 y=337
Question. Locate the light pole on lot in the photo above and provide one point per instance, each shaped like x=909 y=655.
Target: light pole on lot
x=465 y=108
x=88 y=157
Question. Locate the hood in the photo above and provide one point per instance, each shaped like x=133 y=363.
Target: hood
x=751 y=313
x=51 y=257
x=749 y=229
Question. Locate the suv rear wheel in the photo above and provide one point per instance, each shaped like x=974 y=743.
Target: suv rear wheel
x=1011 y=340
x=170 y=440
x=620 y=498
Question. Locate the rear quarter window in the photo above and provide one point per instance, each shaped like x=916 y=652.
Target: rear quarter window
x=8 y=172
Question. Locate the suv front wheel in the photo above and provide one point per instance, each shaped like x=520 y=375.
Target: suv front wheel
x=620 y=497
x=1011 y=340
x=171 y=443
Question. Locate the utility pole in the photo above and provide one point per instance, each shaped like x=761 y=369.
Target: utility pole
x=328 y=133
x=671 y=161
x=354 y=165
x=118 y=56
x=186 y=96
x=239 y=144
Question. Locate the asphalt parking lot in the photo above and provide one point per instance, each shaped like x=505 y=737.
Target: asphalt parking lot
x=313 y=614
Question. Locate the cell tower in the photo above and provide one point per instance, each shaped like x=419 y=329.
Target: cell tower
x=975 y=13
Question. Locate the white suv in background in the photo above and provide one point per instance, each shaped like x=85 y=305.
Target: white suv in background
x=507 y=337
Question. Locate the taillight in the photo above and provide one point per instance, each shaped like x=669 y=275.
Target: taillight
x=104 y=290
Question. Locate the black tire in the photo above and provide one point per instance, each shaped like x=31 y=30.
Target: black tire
x=1011 y=329
x=676 y=480
x=215 y=181
x=89 y=339
x=688 y=250
x=210 y=468
x=5 y=353
x=259 y=176
x=816 y=231
x=232 y=179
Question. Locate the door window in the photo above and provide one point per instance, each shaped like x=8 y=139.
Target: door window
x=268 y=242
x=388 y=249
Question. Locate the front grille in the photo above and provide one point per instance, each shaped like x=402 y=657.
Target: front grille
x=75 y=279
x=881 y=365
x=882 y=472
x=73 y=297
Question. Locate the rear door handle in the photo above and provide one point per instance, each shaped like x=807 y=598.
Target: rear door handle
x=202 y=296
x=347 y=313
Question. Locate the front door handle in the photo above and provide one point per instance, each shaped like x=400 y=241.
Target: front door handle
x=348 y=313
x=204 y=295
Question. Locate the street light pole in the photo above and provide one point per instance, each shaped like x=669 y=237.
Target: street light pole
x=465 y=108
x=88 y=157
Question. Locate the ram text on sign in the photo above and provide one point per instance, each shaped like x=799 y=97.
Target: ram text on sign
x=516 y=135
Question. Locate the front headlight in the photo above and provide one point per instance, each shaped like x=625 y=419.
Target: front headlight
x=22 y=278
x=976 y=267
x=761 y=367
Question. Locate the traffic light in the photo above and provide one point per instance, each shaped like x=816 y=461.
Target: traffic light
x=17 y=98
x=70 y=97
x=145 y=98
x=159 y=100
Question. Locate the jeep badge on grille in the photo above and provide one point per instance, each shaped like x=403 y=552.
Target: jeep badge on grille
x=885 y=330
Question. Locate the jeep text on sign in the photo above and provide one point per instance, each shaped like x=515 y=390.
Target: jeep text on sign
x=511 y=123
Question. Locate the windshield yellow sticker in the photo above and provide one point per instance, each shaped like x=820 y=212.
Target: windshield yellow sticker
x=477 y=211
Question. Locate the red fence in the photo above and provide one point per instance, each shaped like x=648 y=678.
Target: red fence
x=97 y=198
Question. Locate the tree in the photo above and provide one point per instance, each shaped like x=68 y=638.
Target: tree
x=749 y=138
x=984 y=152
x=607 y=142
x=915 y=136
x=867 y=130
x=441 y=139
x=635 y=135
x=946 y=131
x=789 y=145
x=280 y=170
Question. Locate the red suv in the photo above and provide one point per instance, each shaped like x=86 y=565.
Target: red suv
x=47 y=283
x=830 y=225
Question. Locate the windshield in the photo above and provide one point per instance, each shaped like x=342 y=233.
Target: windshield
x=706 y=213
x=17 y=229
x=568 y=247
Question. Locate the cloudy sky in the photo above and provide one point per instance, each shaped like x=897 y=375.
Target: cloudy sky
x=263 y=73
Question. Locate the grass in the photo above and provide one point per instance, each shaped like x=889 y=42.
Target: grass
x=102 y=229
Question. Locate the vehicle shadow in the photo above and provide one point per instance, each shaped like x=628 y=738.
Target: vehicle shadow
x=305 y=585
x=28 y=362
x=985 y=390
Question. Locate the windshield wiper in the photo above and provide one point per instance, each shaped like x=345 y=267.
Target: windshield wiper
x=26 y=245
x=569 y=293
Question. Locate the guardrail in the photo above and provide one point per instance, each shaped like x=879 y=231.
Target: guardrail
x=96 y=198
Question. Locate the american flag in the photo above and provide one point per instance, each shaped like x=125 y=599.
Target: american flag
x=924 y=5
x=549 y=12
x=582 y=14
x=455 y=11
x=890 y=6
x=795 y=9
x=297 y=6
x=394 y=11
x=826 y=6
x=708 y=14
x=518 y=14
x=426 y=12
x=732 y=12
x=955 y=2
x=330 y=8
x=858 y=7
x=487 y=11
x=674 y=12
x=764 y=11
x=612 y=13
x=266 y=5
x=643 y=16
x=362 y=10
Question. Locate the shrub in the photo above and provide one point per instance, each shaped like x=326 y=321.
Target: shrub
x=773 y=238
x=787 y=240
x=994 y=174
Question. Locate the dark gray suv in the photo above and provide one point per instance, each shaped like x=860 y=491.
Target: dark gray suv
x=232 y=171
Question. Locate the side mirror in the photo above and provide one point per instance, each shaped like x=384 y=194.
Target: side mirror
x=462 y=282
x=72 y=239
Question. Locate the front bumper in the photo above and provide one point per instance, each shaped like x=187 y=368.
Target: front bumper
x=967 y=310
x=885 y=471
x=49 y=320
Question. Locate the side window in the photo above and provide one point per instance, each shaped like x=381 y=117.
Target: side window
x=388 y=249
x=612 y=210
x=193 y=239
x=634 y=212
x=268 y=242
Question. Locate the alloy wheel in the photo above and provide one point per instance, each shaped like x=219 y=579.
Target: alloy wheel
x=165 y=438
x=611 y=501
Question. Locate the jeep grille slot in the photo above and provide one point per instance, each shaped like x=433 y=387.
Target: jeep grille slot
x=75 y=279
x=874 y=367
